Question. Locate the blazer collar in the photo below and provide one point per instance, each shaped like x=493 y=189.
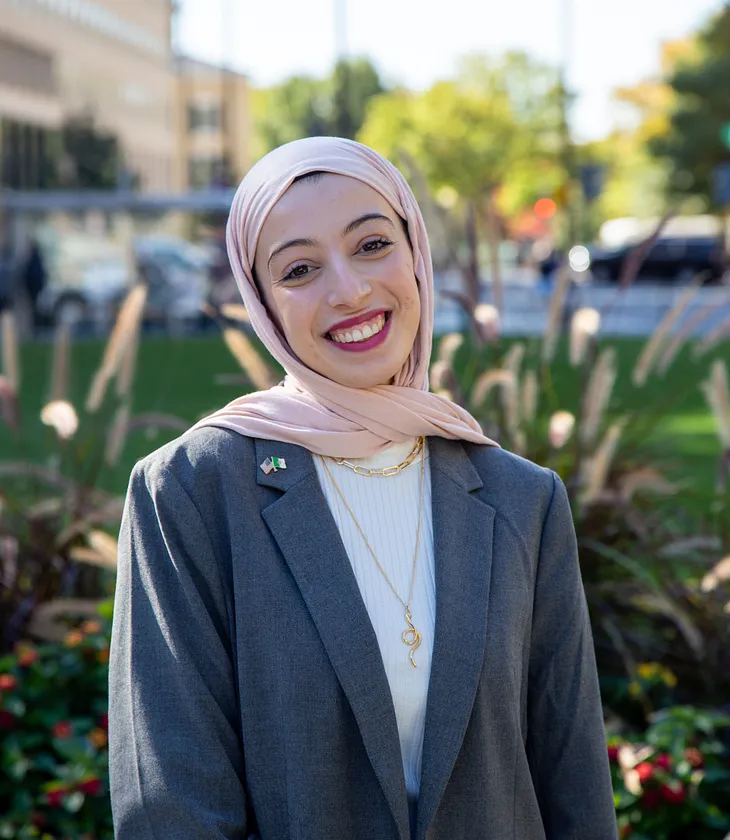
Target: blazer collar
x=305 y=531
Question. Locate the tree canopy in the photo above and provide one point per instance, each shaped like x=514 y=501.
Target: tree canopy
x=694 y=145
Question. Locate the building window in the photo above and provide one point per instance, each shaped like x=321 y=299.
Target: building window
x=204 y=172
x=204 y=117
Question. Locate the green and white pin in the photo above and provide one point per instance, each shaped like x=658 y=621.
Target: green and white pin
x=272 y=464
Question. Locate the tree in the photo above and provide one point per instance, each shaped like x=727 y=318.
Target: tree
x=693 y=145
x=306 y=107
x=492 y=131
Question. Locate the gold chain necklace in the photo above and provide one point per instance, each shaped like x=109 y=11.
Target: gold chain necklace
x=410 y=636
x=386 y=471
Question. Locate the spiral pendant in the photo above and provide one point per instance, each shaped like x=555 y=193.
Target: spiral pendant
x=411 y=637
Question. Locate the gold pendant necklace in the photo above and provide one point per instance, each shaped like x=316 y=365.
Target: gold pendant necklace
x=410 y=636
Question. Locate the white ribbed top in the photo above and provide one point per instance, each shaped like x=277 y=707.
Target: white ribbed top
x=387 y=510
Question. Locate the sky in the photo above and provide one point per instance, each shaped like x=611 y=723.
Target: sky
x=605 y=43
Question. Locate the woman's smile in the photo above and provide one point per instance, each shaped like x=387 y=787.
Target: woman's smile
x=362 y=333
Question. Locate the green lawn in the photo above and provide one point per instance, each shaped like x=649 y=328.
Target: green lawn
x=177 y=376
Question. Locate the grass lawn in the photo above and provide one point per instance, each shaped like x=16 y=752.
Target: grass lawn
x=178 y=376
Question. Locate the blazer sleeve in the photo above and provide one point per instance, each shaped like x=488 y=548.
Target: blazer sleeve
x=566 y=741
x=175 y=755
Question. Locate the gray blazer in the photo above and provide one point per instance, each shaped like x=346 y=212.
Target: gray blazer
x=247 y=691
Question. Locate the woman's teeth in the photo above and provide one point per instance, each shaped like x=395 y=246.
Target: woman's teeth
x=362 y=333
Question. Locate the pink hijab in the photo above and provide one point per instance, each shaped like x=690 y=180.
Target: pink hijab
x=308 y=409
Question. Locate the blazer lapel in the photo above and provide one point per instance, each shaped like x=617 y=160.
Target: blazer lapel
x=463 y=530
x=306 y=533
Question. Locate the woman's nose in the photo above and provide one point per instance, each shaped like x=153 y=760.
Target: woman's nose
x=349 y=288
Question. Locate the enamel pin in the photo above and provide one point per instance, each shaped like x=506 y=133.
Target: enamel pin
x=273 y=464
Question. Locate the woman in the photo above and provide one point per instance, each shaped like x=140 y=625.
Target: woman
x=341 y=611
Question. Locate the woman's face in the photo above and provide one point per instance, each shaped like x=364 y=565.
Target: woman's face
x=335 y=270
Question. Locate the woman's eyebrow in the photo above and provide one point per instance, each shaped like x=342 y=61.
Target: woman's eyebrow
x=292 y=243
x=366 y=218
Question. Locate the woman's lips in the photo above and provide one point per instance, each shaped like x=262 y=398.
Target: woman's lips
x=348 y=323
x=368 y=343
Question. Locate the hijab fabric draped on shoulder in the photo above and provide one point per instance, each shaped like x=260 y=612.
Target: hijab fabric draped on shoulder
x=308 y=409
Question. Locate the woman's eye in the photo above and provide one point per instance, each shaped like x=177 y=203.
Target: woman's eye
x=375 y=245
x=297 y=272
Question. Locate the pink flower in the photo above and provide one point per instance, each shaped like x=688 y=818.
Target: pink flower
x=613 y=754
x=663 y=761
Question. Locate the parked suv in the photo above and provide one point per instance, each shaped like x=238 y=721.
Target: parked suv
x=671 y=260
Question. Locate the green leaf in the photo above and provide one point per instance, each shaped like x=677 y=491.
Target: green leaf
x=14 y=705
x=19 y=768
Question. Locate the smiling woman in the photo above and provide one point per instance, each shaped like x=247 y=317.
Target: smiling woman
x=362 y=617
x=336 y=289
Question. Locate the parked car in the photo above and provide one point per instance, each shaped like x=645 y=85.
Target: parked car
x=176 y=273
x=671 y=260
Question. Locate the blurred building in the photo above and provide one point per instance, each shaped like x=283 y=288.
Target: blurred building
x=109 y=59
x=213 y=124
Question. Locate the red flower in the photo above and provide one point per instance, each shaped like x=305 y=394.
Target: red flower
x=695 y=757
x=663 y=761
x=104 y=721
x=625 y=831
x=645 y=771
x=613 y=754
x=63 y=729
x=7 y=720
x=650 y=800
x=673 y=795
x=91 y=786
x=55 y=797
x=7 y=682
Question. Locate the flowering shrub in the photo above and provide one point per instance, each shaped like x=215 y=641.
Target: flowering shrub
x=53 y=745
x=674 y=783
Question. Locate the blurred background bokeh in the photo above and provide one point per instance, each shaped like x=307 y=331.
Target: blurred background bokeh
x=572 y=159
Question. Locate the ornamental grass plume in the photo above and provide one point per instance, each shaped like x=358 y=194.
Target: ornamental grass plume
x=487 y=320
x=713 y=338
x=448 y=347
x=117 y=435
x=598 y=395
x=261 y=376
x=584 y=326
x=9 y=405
x=62 y=417
x=560 y=429
x=596 y=468
x=487 y=382
x=10 y=359
x=720 y=573
x=555 y=313
x=647 y=358
x=60 y=362
x=717 y=395
x=679 y=339
x=530 y=396
x=123 y=333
